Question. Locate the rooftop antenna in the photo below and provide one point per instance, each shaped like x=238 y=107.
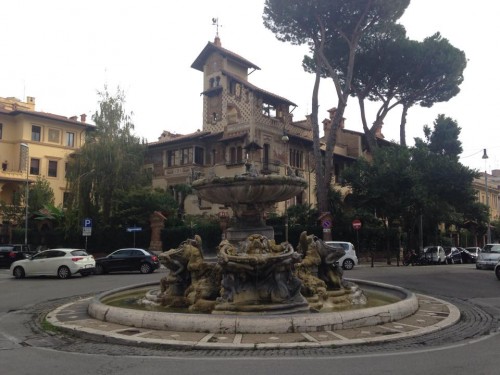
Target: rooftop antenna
x=215 y=22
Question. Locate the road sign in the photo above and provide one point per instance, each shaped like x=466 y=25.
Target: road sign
x=87 y=227
x=356 y=224
x=327 y=224
x=134 y=229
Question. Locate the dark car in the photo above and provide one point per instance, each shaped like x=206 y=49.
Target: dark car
x=459 y=255
x=10 y=253
x=130 y=259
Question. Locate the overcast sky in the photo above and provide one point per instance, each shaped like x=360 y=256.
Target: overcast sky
x=62 y=52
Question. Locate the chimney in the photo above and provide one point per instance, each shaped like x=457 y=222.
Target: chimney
x=83 y=117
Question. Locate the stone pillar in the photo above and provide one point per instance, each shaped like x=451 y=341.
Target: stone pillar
x=157 y=221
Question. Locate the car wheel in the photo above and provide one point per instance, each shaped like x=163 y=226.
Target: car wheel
x=146 y=268
x=63 y=272
x=99 y=269
x=348 y=264
x=18 y=273
x=497 y=272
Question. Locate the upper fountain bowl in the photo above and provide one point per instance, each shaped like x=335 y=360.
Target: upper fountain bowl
x=249 y=189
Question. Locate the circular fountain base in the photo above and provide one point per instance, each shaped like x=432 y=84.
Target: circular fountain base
x=262 y=323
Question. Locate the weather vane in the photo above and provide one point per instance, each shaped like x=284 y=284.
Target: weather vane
x=215 y=22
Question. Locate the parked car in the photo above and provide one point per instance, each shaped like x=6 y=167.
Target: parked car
x=350 y=259
x=474 y=250
x=12 y=252
x=489 y=256
x=62 y=263
x=458 y=255
x=129 y=259
x=453 y=255
x=434 y=255
x=497 y=270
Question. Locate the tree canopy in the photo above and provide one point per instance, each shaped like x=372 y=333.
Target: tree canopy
x=111 y=160
x=402 y=184
x=321 y=23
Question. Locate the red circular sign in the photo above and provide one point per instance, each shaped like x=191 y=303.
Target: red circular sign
x=356 y=224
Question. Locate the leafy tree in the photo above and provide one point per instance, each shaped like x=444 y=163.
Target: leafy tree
x=110 y=162
x=444 y=139
x=135 y=206
x=40 y=194
x=404 y=184
x=326 y=22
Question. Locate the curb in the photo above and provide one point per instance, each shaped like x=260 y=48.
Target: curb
x=72 y=318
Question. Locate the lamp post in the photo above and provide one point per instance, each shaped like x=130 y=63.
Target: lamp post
x=285 y=140
x=25 y=156
x=488 y=230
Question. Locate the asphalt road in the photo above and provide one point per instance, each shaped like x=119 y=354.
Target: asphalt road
x=470 y=348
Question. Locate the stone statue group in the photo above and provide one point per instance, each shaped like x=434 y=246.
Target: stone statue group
x=256 y=276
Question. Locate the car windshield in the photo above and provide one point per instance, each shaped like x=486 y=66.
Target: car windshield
x=492 y=248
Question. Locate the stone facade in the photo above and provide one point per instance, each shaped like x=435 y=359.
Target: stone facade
x=241 y=122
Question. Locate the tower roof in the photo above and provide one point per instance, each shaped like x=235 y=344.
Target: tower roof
x=216 y=47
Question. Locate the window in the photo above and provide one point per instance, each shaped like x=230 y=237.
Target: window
x=170 y=158
x=52 y=172
x=70 y=139
x=185 y=156
x=236 y=155
x=54 y=136
x=36 y=133
x=198 y=155
x=66 y=199
x=35 y=166
x=295 y=158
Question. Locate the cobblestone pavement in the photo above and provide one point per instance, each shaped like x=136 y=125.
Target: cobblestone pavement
x=438 y=322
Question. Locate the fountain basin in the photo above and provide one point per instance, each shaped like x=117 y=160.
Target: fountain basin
x=287 y=323
x=249 y=189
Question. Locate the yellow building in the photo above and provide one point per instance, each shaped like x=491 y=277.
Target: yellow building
x=491 y=199
x=241 y=122
x=36 y=144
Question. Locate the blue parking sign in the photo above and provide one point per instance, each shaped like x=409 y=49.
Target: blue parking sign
x=87 y=223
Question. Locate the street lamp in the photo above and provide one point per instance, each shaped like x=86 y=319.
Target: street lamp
x=488 y=230
x=25 y=156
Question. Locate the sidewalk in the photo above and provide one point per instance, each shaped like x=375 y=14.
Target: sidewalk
x=433 y=314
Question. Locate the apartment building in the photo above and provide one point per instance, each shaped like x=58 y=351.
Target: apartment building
x=36 y=144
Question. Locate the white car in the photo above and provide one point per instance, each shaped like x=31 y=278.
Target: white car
x=62 y=263
x=350 y=259
x=489 y=256
x=434 y=255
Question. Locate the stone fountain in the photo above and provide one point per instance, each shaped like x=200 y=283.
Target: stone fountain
x=256 y=285
x=254 y=274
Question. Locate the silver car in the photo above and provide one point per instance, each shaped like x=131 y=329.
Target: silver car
x=488 y=257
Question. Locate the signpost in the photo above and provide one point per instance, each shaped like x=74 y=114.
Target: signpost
x=356 y=224
x=87 y=230
x=134 y=230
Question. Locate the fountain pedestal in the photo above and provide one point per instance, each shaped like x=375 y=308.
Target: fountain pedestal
x=258 y=277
